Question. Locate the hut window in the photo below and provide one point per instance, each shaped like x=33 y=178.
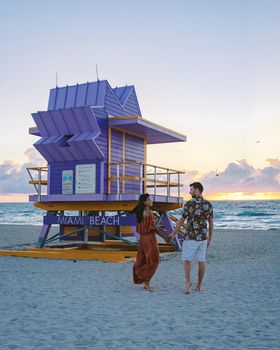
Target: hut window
x=63 y=142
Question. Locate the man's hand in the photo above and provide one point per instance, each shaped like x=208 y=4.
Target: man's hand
x=208 y=242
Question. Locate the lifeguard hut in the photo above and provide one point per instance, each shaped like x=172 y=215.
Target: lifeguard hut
x=94 y=140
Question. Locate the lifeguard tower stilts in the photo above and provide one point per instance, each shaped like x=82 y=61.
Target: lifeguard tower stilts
x=94 y=140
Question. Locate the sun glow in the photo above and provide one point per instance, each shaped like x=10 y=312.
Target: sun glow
x=14 y=198
x=231 y=196
x=243 y=196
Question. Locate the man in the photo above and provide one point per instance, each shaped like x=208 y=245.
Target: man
x=197 y=212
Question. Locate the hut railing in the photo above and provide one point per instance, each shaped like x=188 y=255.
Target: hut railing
x=145 y=177
x=38 y=178
x=158 y=179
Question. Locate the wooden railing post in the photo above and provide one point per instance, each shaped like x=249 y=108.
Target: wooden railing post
x=31 y=177
x=39 y=184
x=109 y=178
x=179 y=184
x=145 y=178
x=141 y=177
x=118 y=178
x=168 y=181
x=155 y=181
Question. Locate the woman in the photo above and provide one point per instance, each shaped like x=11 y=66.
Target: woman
x=147 y=259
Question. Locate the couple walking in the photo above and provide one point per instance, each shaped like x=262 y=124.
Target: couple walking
x=197 y=212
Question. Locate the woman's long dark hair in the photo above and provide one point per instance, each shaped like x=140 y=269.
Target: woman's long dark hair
x=140 y=207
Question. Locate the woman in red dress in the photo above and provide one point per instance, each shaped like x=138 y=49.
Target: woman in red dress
x=147 y=259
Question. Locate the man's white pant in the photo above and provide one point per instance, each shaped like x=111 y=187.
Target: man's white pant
x=194 y=250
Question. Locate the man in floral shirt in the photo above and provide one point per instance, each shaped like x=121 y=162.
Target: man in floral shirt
x=198 y=212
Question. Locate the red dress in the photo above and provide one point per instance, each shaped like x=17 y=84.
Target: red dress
x=147 y=259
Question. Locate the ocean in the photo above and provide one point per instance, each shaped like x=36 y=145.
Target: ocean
x=252 y=215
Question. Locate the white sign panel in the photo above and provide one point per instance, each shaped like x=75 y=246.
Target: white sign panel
x=67 y=182
x=86 y=178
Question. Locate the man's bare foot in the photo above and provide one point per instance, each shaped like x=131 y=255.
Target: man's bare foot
x=188 y=289
x=199 y=289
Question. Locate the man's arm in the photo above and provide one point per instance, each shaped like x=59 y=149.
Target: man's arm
x=210 y=230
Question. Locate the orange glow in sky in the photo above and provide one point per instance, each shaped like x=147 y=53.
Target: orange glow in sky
x=244 y=196
x=213 y=196
x=14 y=198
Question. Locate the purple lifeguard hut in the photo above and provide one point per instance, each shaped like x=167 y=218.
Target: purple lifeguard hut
x=94 y=140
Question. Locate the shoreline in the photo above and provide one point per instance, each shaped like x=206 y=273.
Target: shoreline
x=38 y=226
x=227 y=215
x=215 y=228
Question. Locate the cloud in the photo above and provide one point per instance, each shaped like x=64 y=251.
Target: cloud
x=240 y=176
x=275 y=163
x=14 y=177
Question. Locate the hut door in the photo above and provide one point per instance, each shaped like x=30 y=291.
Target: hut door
x=134 y=152
x=126 y=148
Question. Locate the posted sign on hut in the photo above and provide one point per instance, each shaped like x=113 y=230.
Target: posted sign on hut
x=85 y=178
x=67 y=181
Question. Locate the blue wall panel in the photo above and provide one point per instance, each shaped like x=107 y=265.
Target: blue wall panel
x=112 y=105
x=52 y=97
x=131 y=106
x=60 y=98
x=55 y=176
x=81 y=95
x=102 y=142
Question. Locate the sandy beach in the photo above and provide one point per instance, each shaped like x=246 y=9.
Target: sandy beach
x=56 y=304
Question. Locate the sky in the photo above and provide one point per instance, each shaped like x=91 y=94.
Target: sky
x=208 y=69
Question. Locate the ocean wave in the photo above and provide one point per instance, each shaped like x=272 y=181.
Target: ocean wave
x=250 y=214
x=259 y=215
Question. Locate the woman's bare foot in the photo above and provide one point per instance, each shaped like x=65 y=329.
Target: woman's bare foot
x=148 y=287
x=199 y=289
x=188 y=289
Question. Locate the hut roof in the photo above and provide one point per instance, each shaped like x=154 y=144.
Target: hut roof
x=153 y=132
x=119 y=101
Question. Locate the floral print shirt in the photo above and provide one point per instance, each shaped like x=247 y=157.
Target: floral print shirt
x=197 y=211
